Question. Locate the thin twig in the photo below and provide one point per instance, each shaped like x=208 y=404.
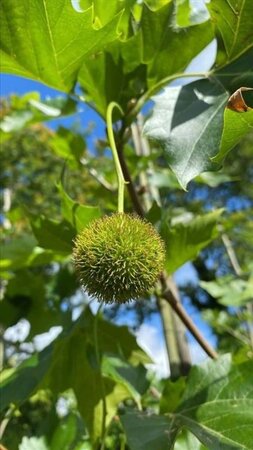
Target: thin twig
x=231 y=254
x=94 y=173
x=130 y=186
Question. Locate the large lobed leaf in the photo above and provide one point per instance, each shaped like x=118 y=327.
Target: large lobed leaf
x=216 y=406
x=238 y=73
x=167 y=49
x=230 y=290
x=184 y=240
x=58 y=235
x=127 y=67
x=71 y=362
x=236 y=126
x=79 y=216
x=187 y=121
x=234 y=30
x=47 y=40
x=195 y=128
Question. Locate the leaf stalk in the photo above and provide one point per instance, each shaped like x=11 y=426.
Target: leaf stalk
x=120 y=176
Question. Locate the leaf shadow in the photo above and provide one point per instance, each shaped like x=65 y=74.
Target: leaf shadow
x=193 y=100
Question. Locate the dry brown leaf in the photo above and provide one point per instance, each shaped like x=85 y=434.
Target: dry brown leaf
x=236 y=101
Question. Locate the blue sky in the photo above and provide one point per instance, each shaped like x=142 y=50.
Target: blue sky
x=11 y=84
x=151 y=331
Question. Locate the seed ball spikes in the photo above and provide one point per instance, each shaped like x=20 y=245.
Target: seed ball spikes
x=118 y=258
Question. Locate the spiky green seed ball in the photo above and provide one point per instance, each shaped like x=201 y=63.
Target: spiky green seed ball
x=118 y=257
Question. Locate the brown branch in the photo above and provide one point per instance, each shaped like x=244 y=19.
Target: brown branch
x=231 y=254
x=169 y=292
x=171 y=296
x=130 y=185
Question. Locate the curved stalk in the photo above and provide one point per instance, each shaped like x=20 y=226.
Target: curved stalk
x=120 y=176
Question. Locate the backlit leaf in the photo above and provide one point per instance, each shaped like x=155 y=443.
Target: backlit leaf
x=233 y=23
x=216 y=407
x=53 y=235
x=185 y=239
x=71 y=362
x=236 y=126
x=47 y=40
x=161 y=40
x=76 y=214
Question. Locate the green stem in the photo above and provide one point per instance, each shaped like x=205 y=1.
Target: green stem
x=120 y=176
x=154 y=89
x=98 y=358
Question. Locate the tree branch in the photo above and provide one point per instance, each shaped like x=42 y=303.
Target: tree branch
x=169 y=293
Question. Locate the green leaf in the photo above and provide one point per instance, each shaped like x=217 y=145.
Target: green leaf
x=187 y=441
x=17 y=252
x=229 y=290
x=148 y=432
x=102 y=14
x=53 y=235
x=133 y=378
x=161 y=40
x=73 y=355
x=188 y=14
x=64 y=435
x=25 y=296
x=31 y=109
x=216 y=407
x=184 y=240
x=19 y=384
x=68 y=145
x=47 y=40
x=214 y=179
x=117 y=74
x=172 y=394
x=76 y=214
x=234 y=31
x=187 y=121
x=164 y=178
x=217 y=404
x=236 y=126
x=183 y=11
x=236 y=74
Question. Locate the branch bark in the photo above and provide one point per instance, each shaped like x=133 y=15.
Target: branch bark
x=170 y=294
